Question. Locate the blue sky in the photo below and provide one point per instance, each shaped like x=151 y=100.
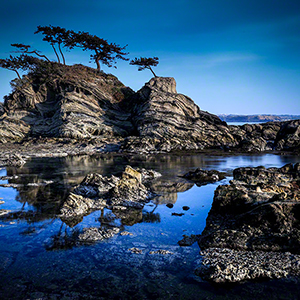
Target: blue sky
x=229 y=56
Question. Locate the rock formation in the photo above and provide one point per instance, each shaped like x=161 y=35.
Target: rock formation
x=125 y=195
x=258 y=211
x=72 y=104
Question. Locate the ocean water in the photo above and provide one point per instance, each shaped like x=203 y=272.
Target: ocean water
x=40 y=259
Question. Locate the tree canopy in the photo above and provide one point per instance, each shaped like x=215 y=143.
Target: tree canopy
x=22 y=62
x=145 y=63
x=25 y=49
x=55 y=35
x=105 y=52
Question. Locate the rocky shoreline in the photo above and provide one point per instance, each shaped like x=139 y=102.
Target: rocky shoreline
x=76 y=110
x=252 y=230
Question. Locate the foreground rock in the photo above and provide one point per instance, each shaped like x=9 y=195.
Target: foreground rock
x=258 y=211
x=125 y=196
x=227 y=265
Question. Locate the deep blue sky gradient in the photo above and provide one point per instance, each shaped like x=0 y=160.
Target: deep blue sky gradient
x=229 y=56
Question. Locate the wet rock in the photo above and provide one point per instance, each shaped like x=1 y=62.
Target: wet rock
x=188 y=240
x=259 y=210
x=76 y=205
x=202 y=177
x=125 y=196
x=227 y=265
x=185 y=208
x=161 y=251
x=95 y=234
x=136 y=250
x=169 y=205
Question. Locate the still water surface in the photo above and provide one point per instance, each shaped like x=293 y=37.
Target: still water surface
x=39 y=259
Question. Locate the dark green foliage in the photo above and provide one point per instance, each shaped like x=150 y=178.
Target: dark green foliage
x=23 y=62
x=105 y=52
x=26 y=49
x=55 y=35
x=145 y=63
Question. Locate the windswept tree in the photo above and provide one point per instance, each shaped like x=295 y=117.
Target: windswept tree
x=103 y=52
x=145 y=63
x=55 y=35
x=23 y=62
x=26 y=49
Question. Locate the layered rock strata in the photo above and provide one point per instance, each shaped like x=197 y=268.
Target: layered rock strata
x=72 y=104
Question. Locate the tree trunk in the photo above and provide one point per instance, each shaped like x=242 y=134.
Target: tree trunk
x=40 y=55
x=98 y=64
x=64 y=61
x=152 y=72
x=17 y=73
x=55 y=53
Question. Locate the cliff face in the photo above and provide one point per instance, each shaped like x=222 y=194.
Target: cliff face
x=77 y=103
x=160 y=113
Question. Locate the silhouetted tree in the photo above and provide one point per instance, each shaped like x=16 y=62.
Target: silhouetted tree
x=105 y=52
x=26 y=49
x=55 y=35
x=145 y=63
x=23 y=62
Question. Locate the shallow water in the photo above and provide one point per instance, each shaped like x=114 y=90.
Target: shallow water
x=39 y=259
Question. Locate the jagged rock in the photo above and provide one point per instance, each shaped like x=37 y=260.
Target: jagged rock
x=76 y=103
x=76 y=205
x=202 y=177
x=259 y=210
x=72 y=102
x=117 y=193
x=227 y=265
x=173 y=121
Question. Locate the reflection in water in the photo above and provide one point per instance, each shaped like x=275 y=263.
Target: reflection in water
x=108 y=269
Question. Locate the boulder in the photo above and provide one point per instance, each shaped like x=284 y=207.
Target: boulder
x=259 y=210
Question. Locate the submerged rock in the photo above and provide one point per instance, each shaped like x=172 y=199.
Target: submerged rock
x=95 y=234
x=202 y=177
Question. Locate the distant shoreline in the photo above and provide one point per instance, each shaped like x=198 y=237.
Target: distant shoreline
x=257 y=118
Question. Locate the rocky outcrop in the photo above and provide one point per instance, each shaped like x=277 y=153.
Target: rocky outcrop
x=116 y=193
x=165 y=119
x=72 y=104
x=258 y=211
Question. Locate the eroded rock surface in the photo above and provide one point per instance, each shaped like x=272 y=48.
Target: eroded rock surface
x=97 y=191
x=258 y=211
x=227 y=265
x=77 y=105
